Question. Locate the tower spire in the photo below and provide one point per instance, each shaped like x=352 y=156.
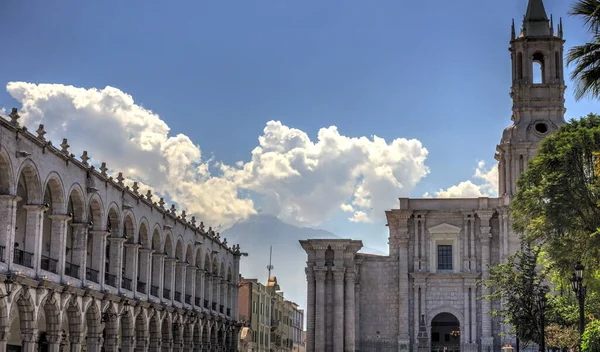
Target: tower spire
x=536 y=22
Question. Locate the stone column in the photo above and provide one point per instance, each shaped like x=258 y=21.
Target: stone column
x=8 y=214
x=3 y=338
x=402 y=238
x=116 y=257
x=79 y=243
x=320 y=274
x=416 y=313
x=75 y=342
x=180 y=280
x=486 y=321
x=141 y=344
x=53 y=342
x=144 y=268
x=200 y=286
x=130 y=261
x=127 y=344
x=94 y=342
x=169 y=267
x=465 y=333
x=310 y=305
x=158 y=272
x=155 y=342
x=223 y=288
x=58 y=241
x=357 y=308
x=29 y=340
x=338 y=309
x=33 y=235
x=98 y=252
x=110 y=342
x=349 y=314
x=190 y=285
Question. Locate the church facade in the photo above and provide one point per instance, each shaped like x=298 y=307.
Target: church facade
x=426 y=294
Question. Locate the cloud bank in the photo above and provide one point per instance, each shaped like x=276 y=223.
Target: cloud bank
x=299 y=180
x=487 y=185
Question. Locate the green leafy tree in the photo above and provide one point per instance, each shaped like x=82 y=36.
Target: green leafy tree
x=590 y=341
x=518 y=284
x=560 y=337
x=586 y=57
x=558 y=196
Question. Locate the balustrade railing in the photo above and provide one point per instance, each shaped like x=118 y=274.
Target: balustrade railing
x=110 y=279
x=2 y=248
x=72 y=270
x=221 y=309
x=154 y=290
x=125 y=283
x=166 y=293
x=178 y=296
x=214 y=306
x=188 y=299
x=228 y=312
x=49 y=264
x=206 y=303
x=23 y=258
x=141 y=287
x=197 y=302
x=92 y=275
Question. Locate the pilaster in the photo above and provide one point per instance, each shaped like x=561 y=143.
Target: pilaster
x=485 y=236
x=79 y=243
x=33 y=234
x=310 y=309
x=350 y=314
x=8 y=214
x=59 y=241
x=320 y=274
x=338 y=309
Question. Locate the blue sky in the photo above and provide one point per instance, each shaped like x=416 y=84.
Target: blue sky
x=218 y=71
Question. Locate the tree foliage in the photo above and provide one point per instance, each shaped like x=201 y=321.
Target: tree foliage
x=586 y=57
x=518 y=284
x=558 y=197
x=590 y=341
x=561 y=337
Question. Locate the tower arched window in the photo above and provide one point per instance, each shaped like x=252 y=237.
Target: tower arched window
x=521 y=164
x=557 y=64
x=519 y=66
x=538 y=69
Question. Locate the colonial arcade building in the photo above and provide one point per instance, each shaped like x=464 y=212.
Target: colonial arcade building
x=426 y=294
x=90 y=264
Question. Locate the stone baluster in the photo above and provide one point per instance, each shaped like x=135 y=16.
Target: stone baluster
x=349 y=314
x=320 y=274
x=486 y=324
x=310 y=302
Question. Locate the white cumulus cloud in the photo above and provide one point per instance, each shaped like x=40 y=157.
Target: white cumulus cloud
x=486 y=185
x=299 y=180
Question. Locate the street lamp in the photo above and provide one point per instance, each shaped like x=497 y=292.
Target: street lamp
x=542 y=305
x=580 y=292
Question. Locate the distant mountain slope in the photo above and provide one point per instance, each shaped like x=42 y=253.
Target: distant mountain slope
x=257 y=233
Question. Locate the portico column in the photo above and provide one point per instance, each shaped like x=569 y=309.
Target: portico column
x=59 y=241
x=29 y=340
x=8 y=214
x=94 y=342
x=155 y=343
x=3 y=339
x=349 y=314
x=116 y=259
x=53 y=342
x=75 y=342
x=98 y=254
x=486 y=323
x=310 y=303
x=338 y=309
x=200 y=287
x=402 y=238
x=141 y=344
x=79 y=243
x=127 y=344
x=33 y=234
x=157 y=275
x=320 y=273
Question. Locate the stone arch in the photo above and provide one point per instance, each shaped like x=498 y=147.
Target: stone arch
x=179 y=250
x=198 y=259
x=4 y=318
x=52 y=313
x=31 y=179
x=168 y=247
x=26 y=309
x=6 y=180
x=76 y=203
x=207 y=266
x=113 y=220
x=54 y=194
x=74 y=318
x=129 y=226
x=154 y=327
x=156 y=242
x=445 y=332
x=166 y=326
x=197 y=336
x=189 y=254
x=95 y=212
x=432 y=313
x=141 y=329
x=142 y=237
x=92 y=318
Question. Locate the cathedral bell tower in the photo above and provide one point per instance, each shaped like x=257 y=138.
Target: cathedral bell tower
x=537 y=92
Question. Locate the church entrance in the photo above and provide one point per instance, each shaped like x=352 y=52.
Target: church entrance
x=445 y=333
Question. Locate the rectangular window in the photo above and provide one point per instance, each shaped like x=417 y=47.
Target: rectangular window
x=444 y=257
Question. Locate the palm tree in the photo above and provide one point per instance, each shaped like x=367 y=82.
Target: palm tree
x=586 y=74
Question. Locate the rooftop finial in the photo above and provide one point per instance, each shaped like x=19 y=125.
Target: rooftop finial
x=14 y=116
x=513 y=33
x=41 y=132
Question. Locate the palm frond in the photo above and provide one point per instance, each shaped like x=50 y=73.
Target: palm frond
x=586 y=74
x=590 y=11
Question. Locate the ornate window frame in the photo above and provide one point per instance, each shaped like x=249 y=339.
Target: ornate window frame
x=444 y=234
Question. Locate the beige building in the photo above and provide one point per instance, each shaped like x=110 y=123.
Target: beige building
x=276 y=324
x=91 y=264
x=425 y=294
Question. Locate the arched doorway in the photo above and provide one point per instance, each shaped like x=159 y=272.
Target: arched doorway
x=445 y=333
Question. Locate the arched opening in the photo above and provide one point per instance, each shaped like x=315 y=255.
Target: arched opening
x=168 y=268
x=93 y=327
x=129 y=254
x=23 y=331
x=95 y=239
x=557 y=65
x=29 y=190
x=179 y=270
x=207 y=280
x=5 y=182
x=538 y=69
x=189 y=274
x=519 y=66
x=156 y=263
x=198 y=263
x=76 y=235
x=112 y=255
x=143 y=259
x=445 y=333
x=6 y=224
x=52 y=226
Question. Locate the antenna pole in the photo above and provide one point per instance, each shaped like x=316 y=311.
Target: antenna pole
x=270 y=266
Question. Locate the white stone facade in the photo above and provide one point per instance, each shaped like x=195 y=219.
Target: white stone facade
x=426 y=294
x=96 y=265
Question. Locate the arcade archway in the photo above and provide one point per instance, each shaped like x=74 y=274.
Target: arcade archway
x=445 y=333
